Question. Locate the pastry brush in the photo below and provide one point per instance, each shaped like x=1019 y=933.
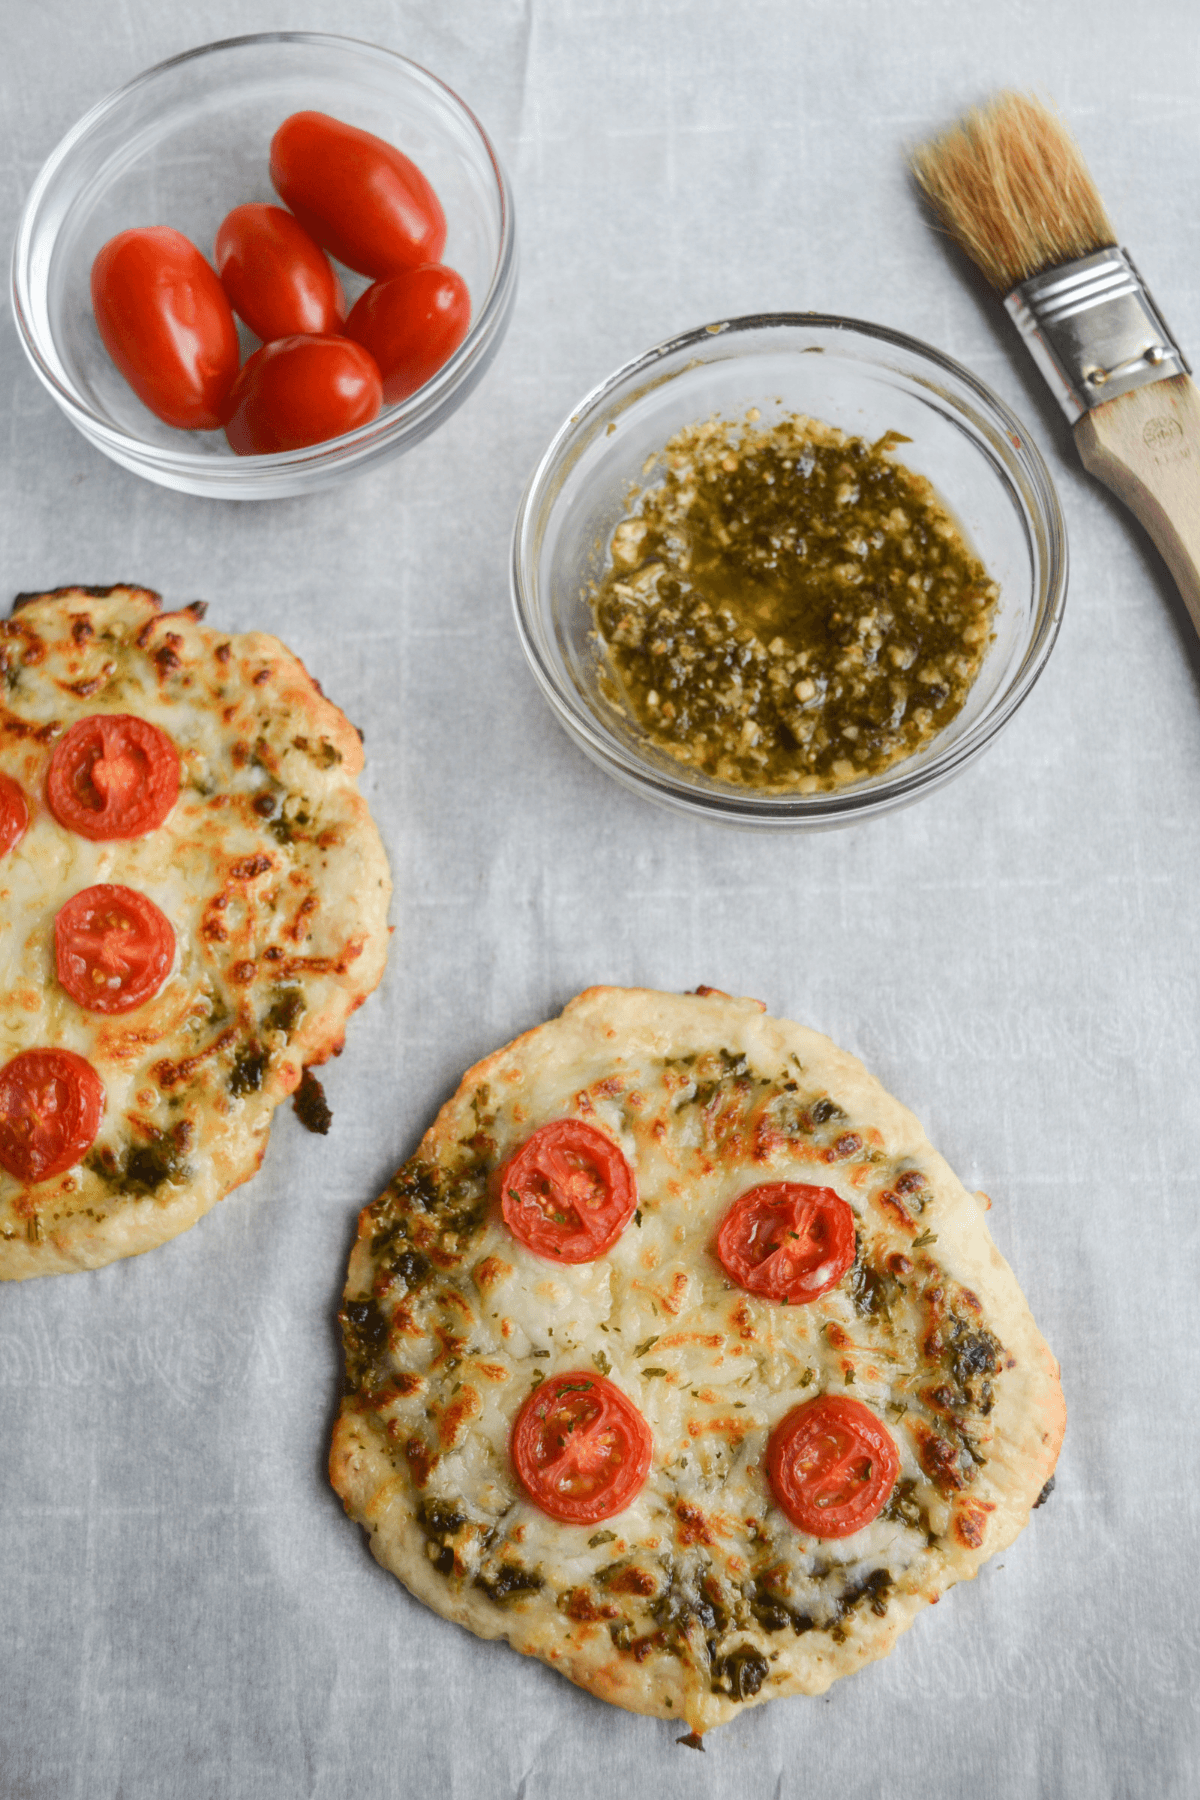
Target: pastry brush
x=1010 y=184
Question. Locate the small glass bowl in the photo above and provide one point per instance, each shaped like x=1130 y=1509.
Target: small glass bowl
x=868 y=381
x=185 y=143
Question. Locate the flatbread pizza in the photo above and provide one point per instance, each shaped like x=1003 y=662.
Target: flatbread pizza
x=677 y=1357
x=193 y=900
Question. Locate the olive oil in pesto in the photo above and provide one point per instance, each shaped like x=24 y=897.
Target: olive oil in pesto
x=790 y=608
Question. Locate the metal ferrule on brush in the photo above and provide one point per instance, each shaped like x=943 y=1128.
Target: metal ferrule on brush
x=1094 y=330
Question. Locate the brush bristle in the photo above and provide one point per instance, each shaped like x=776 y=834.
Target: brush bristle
x=1010 y=183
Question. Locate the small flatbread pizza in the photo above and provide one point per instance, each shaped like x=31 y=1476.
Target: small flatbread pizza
x=678 y=1357
x=193 y=899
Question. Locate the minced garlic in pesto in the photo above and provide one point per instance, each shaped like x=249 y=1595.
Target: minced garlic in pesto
x=790 y=608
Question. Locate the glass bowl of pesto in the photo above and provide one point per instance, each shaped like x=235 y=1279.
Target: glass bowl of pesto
x=184 y=143
x=788 y=570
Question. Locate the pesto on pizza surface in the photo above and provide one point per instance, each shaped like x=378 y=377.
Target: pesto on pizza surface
x=730 y=1453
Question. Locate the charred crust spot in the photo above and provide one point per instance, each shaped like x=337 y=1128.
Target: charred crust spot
x=1045 y=1493
x=970 y=1523
x=888 y=1202
x=643 y=1647
x=261 y=676
x=81 y=628
x=849 y=1144
x=693 y=1526
x=166 y=657
x=693 y=1740
x=940 y=1459
x=250 y=867
x=170 y=1074
x=578 y=1604
x=92 y=593
x=88 y=686
x=223 y=652
x=310 y=1105
x=265 y=803
x=911 y=1182
x=466 y=1406
x=421 y=1460
x=490 y=1270
x=633 y=1580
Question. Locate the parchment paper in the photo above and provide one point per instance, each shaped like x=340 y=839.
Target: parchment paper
x=184 y=1611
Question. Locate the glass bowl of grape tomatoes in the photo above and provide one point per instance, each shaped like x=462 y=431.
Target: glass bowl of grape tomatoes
x=266 y=265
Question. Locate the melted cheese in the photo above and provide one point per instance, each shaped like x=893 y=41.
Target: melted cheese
x=267 y=867
x=680 y=1586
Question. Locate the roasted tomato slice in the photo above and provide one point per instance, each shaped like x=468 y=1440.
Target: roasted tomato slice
x=787 y=1241
x=51 y=1104
x=568 y=1193
x=14 y=814
x=832 y=1464
x=581 y=1448
x=113 y=776
x=113 y=948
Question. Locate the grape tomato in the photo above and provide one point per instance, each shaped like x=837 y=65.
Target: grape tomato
x=276 y=277
x=166 y=323
x=299 y=391
x=362 y=199
x=411 y=324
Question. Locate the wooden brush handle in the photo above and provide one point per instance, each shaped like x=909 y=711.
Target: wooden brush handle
x=1145 y=446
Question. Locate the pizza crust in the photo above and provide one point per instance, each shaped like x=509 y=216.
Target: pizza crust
x=676 y=1611
x=269 y=868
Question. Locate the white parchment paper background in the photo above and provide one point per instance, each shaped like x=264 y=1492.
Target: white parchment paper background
x=183 y=1609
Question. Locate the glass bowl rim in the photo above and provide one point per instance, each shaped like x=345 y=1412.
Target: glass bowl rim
x=390 y=427
x=836 y=806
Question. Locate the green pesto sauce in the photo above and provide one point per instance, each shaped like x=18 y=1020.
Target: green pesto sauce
x=789 y=608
